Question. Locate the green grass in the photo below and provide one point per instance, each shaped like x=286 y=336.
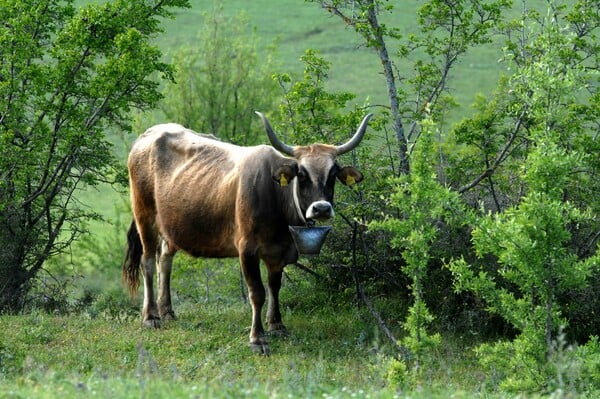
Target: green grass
x=204 y=353
x=96 y=346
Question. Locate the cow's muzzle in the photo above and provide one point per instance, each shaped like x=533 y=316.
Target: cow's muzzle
x=319 y=210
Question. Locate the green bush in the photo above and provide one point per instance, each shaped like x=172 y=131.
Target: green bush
x=532 y=245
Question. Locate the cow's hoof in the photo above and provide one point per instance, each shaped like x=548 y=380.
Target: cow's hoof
x=278 y=330
x=167 y=316
x=260 y=348
x=151 y=323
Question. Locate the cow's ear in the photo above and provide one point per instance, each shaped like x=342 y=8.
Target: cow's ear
x=349 y=175
x=285 y=173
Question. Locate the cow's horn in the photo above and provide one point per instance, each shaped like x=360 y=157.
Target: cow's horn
x=355 y=140
x=278 y=144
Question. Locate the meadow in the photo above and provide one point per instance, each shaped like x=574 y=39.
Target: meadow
x=95 y=346
x=334 y=349
x=294 y=26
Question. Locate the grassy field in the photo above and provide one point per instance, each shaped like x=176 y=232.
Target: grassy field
x=193 y=357
x=334 y=350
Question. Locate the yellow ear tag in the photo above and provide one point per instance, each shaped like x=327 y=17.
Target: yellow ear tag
x=350 y=180
x=283 y=181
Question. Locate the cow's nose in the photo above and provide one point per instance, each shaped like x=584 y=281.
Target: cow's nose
x=319 y=210
x=322 y=207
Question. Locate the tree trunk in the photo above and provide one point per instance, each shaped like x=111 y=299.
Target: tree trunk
x=388 y=72
x=374 y=38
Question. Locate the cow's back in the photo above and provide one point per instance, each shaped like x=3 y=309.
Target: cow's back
x=190 y=184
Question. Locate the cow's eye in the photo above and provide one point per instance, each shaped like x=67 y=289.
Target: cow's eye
x=332 y=174
x=301 y=175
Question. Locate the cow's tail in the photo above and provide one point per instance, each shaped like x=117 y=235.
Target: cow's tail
x=133 y=257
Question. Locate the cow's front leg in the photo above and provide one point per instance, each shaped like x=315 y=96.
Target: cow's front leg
x=150 y=316
x=256 y=292
x=165 y=264
x=273 y=312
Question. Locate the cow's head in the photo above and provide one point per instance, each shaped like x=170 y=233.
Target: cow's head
x=311 y=175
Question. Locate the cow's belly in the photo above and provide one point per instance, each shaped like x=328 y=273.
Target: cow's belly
x=204 y=237
x=202 y=244
x=212 y=252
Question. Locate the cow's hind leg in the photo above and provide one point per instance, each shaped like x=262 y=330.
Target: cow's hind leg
x=149 y=237
x=150 y=315
x=273 y=312
x=256 y=292
x=165 y=264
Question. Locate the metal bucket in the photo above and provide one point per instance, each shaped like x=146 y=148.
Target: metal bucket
x=309 y=240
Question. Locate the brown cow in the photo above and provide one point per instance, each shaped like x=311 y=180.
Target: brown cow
x=193 y=193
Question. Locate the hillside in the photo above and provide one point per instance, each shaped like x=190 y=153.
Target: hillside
x=298 y=25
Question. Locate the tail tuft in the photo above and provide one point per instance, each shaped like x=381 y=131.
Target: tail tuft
x=133 y=257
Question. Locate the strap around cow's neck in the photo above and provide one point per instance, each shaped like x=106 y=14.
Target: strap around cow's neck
x=297 y=200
